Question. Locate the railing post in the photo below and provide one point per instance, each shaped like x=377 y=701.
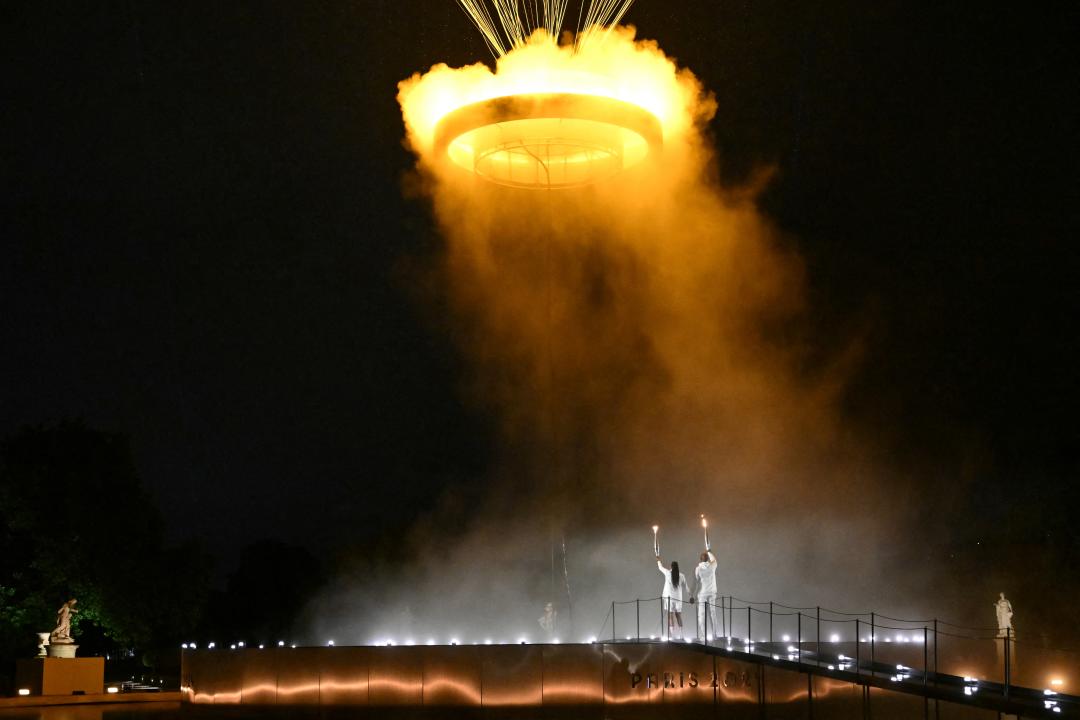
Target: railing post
x=872 y=631
x=637 y=612
x=770 y=620
x=935 y=656
x=798 y=637
x=749 y=633
x=925 y=660
x=731 y=615
x=856 y=646
x=723 y=614
x=925 y=672
x=817 y=635
x=613 y=638
x=1008 y=651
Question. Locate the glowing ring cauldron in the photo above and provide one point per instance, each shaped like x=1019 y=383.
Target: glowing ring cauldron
x=544 y=141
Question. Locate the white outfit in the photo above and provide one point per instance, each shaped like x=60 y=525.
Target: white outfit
x=673 y=596
x=706 y=596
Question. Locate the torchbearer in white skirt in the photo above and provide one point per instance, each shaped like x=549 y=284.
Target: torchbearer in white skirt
x=675 y=591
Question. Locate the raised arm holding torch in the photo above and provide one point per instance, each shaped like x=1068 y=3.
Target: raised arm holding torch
x=706 y=577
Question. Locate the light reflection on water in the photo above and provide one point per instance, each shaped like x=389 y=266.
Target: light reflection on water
x=177 y=711
x=130 y=711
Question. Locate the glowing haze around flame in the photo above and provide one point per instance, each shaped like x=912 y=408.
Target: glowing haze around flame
x=638 y=342
x=650 y=101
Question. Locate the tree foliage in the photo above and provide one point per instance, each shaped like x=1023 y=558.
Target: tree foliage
x=75 y=521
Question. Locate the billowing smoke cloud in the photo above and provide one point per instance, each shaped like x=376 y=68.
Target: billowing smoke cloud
x=641 y=343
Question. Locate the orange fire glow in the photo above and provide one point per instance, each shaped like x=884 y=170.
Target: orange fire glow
x=611 y=65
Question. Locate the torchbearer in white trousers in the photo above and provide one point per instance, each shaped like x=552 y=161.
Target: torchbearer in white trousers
x=706 y=595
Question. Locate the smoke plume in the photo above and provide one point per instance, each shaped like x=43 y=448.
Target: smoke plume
x=641 y=342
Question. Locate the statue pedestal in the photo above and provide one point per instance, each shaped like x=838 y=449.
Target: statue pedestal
x=65 y=650
x=61 y=676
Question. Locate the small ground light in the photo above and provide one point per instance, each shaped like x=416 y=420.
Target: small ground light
x=183 y=646
x=281 y=643
x=233 y=646
x=487 y=641
x=24 y=691
x=834 y=638
x=453 y=641
x=112 y=690
x=524 y=641
x=1057 y=682
x=431 y=641
x=211 y=646
x=330 y=643
x=240 y=644
x=261 y=647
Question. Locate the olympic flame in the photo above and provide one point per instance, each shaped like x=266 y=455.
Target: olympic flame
x=656 y=539
x=705 y=526
x=611 y=65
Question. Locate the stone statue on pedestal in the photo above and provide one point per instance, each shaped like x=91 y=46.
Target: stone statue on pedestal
x=61 y=644
x=1004 y=611
x=62 y=632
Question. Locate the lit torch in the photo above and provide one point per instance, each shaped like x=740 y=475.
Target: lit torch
x=705 y=527
x=656 y=540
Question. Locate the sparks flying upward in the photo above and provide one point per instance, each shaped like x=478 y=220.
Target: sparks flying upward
x=518 y=19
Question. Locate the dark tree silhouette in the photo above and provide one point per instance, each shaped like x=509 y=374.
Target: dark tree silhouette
x=76 y=522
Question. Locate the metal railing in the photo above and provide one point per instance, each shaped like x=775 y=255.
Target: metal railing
x=926 y=651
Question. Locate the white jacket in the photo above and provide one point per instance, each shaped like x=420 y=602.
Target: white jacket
x=706 y=577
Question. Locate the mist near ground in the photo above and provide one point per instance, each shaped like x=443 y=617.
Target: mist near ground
x=641 y=344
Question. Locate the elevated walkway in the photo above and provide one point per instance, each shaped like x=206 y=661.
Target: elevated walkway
x=934 y=689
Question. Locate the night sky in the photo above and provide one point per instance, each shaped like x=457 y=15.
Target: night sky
x=208 y=243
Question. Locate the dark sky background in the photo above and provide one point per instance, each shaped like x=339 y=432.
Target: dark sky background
x=206 y=244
